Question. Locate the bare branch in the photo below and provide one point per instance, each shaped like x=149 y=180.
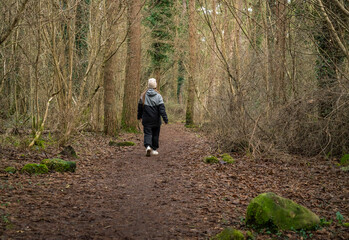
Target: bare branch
x=333 y=30
x=342 y=7
x=9 y=30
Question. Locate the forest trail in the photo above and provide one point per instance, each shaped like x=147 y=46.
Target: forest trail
x=119 y=193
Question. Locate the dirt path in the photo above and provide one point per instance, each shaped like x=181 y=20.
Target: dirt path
x=118 y=193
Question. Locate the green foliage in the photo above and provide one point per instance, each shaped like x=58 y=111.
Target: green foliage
x=249 y=235
x=59 y=165
x=39 y=144
x=34 y=168
x=324 y=222
x=345 y=160
x=271 y=211
x=121 y=144
x=5 y=219
x=339 y=217
x=229 y=234
x=160 y=21
x=10 y=170
x=211 y=159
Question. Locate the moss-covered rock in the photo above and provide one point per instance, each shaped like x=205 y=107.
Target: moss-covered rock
x=59 y=165
x=34 y=168
x=229 y=234
x=121 y=144
x=227 y=158
x=211 y=159
x=10 y=170
x=269 y=210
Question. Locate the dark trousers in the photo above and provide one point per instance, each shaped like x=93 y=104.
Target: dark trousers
x=151 y=137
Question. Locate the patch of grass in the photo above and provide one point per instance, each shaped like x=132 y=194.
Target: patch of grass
x=344 y=161
x=10 y=170
x=121 y=144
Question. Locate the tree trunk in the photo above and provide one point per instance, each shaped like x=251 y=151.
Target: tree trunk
x=192 y=64
x=280 y=84
x=133 y=66
x=110 y=117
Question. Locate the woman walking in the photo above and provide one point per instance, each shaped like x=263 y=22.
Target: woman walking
x=151 y=108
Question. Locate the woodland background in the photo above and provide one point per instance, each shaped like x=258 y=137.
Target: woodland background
x=257 y=75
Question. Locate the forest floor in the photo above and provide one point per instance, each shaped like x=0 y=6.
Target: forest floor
x=119 y=193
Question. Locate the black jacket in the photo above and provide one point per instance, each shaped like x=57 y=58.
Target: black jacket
x=152 y=108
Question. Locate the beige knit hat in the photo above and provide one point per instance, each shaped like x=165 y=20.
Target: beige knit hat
x=152 y=83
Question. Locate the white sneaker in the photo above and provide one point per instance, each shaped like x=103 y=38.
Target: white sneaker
x=154 y=152
x=148 y=150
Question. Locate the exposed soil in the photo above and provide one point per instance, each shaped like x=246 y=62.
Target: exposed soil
x=119 y=193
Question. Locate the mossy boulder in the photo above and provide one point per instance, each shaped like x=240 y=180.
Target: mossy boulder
x=345 y=160
x=34 y=168
x=211 y=159
x=227 y=158
x=229 y=234
x=121 y=144
x=10 y=170
x=271 y=211
x=59 y=165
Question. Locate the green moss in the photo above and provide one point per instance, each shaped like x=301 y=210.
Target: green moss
x=191 y=126
x=59 y=165
x=269 y=210
x=227 y=158
x=211 y=159
x=121 y=144
x=10 y=170
x=325 y=223
x=229 y=234
x=345 y=160
x=249 y=235
x=346 y=224
x=34 y=168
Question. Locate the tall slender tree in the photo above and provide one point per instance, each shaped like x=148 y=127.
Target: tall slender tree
x=189 y=120
x=110 y=114
x=133 y=65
